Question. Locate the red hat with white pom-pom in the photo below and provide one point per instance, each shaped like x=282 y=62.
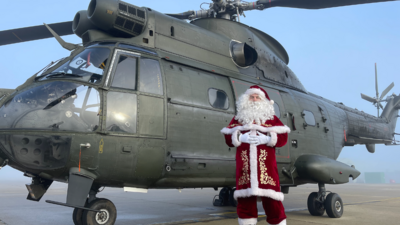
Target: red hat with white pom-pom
x=258 y=90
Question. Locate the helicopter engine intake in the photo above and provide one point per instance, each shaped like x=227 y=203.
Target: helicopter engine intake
x=81 y=23
x=117 y=18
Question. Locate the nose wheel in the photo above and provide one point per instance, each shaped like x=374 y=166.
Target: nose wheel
x=318 y=203
x=106 y=216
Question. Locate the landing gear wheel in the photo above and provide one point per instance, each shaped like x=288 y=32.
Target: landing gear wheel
x=107 y=216
x=232 y=201
x=334 y=205
x=77 y=215
x=315 y=207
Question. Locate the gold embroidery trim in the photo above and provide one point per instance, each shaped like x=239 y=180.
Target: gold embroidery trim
x=264 y=178
x=267 y=125
x=245 y=178
x=233 y=125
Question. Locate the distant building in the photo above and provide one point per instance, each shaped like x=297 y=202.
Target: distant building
x=374 y=177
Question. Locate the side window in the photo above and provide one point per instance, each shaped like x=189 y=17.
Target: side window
x=277 y=110
x=309 y=118
x=218 y=99
x=125 y=72
x=121 y=112
x=150 y=76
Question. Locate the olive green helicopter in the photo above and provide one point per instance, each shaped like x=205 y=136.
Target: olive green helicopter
x=140 y=104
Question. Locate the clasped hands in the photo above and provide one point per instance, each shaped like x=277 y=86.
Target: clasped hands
x=254 y=139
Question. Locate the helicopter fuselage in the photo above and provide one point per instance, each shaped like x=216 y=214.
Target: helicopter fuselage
x=153 y=110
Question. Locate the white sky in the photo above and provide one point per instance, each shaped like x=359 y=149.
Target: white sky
x=332 y=51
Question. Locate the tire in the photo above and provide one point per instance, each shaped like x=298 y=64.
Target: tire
x=314 y=207
x=334 y=205
x=107 y=217
x=232 y=200
x=224 y=196
x=77 y=215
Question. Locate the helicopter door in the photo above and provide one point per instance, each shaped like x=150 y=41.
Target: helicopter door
x=283 y=153
x=315 y=126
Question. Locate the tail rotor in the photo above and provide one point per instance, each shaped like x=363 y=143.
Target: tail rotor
x=377 y=100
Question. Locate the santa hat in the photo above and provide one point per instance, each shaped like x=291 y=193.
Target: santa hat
x=261 y=92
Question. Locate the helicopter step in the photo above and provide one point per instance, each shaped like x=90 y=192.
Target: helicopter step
x=225 y=197
x=88 y=210
x=38 y=188
x=319 y=202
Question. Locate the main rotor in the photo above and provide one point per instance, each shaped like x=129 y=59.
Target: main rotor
x=225 y=9
x=233 y=9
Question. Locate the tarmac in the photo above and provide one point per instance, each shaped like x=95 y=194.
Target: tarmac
x=364 y=204
x=383 y=212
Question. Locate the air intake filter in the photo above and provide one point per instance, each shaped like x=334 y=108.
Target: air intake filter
x=117 y=17
x=81 y=23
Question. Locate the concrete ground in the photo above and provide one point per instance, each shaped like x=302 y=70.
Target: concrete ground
x=383 y=212
x=364 y=204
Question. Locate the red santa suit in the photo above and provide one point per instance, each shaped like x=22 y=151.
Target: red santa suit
x=256 y=169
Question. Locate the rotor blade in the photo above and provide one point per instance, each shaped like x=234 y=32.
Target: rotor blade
x=182 y=16
x=34 y=33
x=366 y=97
x=387 y=90
x=376 y=82
x=316 y=4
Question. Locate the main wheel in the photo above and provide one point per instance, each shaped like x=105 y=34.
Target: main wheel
x=232 y=200
x=315 y=207
x=107 y=216
x=224 y=196
x=334 y=205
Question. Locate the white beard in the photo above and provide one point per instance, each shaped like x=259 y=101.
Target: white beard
x=258 y=112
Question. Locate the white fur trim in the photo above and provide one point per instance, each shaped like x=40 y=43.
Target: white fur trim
x=253 y=168
x=277 y=129
x=278 y=196
x=235 y=140
x=272 y=102
x=254 y=190
x=283 y=222
x=274 y=139
x=249 y=221
x=255 y=91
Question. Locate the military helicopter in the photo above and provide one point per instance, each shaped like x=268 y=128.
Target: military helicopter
x=120 y=110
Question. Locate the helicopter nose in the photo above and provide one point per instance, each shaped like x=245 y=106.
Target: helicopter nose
x=45 y=152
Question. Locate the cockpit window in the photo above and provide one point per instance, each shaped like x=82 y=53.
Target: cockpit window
x=150 y=76
x=89 y=66
x=58 y=106
x=125 y=72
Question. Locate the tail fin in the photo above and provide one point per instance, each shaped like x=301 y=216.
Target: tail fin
x=391 y=111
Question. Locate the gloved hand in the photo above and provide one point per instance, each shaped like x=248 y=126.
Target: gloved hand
x=247 y=138
x=262 y=139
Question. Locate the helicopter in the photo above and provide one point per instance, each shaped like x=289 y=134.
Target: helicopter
x=53 y=149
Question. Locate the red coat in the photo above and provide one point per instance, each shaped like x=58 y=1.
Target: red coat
x=256 y=169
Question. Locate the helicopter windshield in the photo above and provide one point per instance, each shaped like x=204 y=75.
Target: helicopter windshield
x=57 y=106
x=89 y=66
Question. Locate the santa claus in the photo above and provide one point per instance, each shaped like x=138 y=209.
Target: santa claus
x=256 y=131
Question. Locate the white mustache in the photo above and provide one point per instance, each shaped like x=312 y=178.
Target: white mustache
x=255 y=105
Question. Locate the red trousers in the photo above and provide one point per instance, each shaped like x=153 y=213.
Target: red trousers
x=248 y=213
